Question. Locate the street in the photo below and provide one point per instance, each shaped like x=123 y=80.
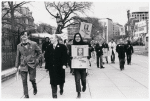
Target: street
x=107 y=83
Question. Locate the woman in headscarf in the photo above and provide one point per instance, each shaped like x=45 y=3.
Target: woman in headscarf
x=80 y=74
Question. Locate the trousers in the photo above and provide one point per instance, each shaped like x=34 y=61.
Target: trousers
x=101 y=60
x=80 y=74
x=54 y=89
x=128 y=58
x=32 y=75
x=112 y=56
x=121 y=62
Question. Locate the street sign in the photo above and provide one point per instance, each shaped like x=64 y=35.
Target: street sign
x=85 y=29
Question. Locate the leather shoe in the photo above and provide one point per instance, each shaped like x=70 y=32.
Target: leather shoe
x=102 y=67
x=55 y=96
x=61 y=92
x=35 y=91
x=84 y=88
x=79 y=95
x=26 y=96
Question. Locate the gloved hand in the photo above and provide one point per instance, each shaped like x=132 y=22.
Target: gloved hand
x=64 y=67
x=88 y=57
x=71 y=58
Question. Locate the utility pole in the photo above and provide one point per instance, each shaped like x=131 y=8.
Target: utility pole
x=128 y=15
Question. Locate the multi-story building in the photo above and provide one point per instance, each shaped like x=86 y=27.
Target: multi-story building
x=108 y=27
x=23 y=19
x=141 y=15
x=115 y=29
x=139 y=24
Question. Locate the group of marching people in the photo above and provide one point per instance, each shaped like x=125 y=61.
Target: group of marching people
x=57 y=55
x=104 y=50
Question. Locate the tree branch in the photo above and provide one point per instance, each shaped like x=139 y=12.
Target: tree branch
x=20 y=4
x=48 y=10
x=70 y=25
x=58 y=10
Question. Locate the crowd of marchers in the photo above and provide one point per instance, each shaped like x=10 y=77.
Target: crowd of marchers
x=56 y=54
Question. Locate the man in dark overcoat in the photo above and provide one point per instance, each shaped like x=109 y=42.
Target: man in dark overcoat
x=56 y=55
x=129 y=52
x=120 y=49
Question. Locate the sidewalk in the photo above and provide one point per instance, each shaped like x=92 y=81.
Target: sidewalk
x=107 y=83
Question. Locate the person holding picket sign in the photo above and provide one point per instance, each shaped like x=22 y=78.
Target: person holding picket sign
x=80 y=73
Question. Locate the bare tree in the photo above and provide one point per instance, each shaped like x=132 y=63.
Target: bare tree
x=8 y=8
x=44 y=28
x=66 y=11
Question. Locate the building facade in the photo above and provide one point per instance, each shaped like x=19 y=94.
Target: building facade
x=108 y=27
x=112 y=30
x=140 y=15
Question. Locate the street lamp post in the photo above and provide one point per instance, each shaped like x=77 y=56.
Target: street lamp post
x=59 y=23
x=128 y=15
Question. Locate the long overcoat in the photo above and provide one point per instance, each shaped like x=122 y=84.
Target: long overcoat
x=56 y=58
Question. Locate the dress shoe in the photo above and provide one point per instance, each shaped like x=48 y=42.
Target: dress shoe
x=35 y=91
x=79 y=95
x=26 y=96
x=84 y=88
x=54 y=96
x=102 y=67
x=61 y=92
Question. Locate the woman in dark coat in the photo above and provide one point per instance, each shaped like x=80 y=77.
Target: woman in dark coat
x=80 y=74
x=56 y=55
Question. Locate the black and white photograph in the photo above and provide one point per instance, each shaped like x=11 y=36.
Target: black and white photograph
x=81 y=49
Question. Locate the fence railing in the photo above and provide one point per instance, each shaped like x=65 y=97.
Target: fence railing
x=9 y=47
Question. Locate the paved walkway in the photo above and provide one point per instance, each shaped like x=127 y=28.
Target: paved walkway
x=108 y=83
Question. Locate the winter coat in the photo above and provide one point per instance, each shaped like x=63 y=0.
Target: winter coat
x=55 y=59
x=120 y=49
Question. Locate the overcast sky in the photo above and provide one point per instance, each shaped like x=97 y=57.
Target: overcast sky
x=117 y=11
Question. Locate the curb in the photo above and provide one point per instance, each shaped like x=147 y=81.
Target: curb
x=7 y=74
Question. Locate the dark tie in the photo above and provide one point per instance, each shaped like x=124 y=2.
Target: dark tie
x=24 y=44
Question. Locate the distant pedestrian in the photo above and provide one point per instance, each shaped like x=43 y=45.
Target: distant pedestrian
x=112 y=49
x=44 y=48
x=68 y=46
x=60 y=40
x=45 y=44
x=105 y=50
x=129 y=52
x=42 y=57
x=99 y=54
x=28 y=55
x=120 y=49
x=80 y=74
x=56 y=59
